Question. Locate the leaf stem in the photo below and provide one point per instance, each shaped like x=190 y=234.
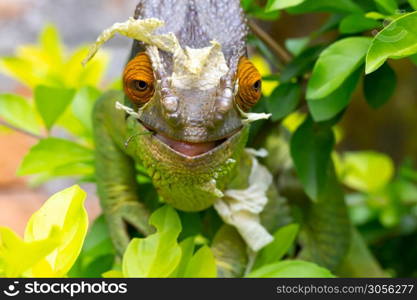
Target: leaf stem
x=279 y=51
x=25 y=132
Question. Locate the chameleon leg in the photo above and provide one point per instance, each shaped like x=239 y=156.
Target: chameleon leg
x=115 y=173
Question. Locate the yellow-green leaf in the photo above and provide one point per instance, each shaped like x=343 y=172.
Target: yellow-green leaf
x=202 y=264
x=18 y=112
x=366 y=171
x=159 y=254
x=66 y=211
x=18 y=256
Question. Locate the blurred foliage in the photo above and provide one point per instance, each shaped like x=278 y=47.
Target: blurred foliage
x=307 y=96
x=53 y=238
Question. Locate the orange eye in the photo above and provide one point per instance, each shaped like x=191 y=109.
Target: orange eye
x=250 y=84
x=138 y=79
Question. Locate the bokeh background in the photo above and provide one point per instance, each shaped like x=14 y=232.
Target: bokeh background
x=79 y=22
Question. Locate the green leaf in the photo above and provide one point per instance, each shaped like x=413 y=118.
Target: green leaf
x=83 y=104
x=335 y=65
x=66 y=211
x=283 y=239
x=380 y=86
x=387 y=6
x=17 y=111
x=52 y=153
x=367 y=171
x=281 y=4
x=397 y=40
x=283 y=100
x=356 y=23
x=339 y=6
x=202 y=264
x=328 y=107
x=291 y=269
x=311 y=146
x=413 y=4
x=51 y=102
x=297 y=45
x=159 y=254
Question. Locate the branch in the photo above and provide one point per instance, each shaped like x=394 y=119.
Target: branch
x=279 y=51
x=25 y=132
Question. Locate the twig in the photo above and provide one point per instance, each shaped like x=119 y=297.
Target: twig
x=279 y=51
x=5 y=124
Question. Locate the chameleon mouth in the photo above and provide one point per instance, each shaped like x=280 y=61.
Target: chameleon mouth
x=189 y=149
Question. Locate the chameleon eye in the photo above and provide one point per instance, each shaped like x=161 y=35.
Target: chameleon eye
x=141 y=85
x=250 y=84
x=138 y=79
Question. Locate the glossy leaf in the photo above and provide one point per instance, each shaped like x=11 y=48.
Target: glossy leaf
x=291 y=269
x=53 y=153
x=51 y=102
x=356 y=23
x=311 y=146
x=66 y=211
x=328 y=107
x=397 y=40
x=283 y=100
x=335 y=65
x=18 y=112
x=380 y=86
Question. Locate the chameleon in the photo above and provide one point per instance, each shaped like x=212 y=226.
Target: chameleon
x=184 y=116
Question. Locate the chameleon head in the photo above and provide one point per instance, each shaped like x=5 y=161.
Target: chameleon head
x=191 y=86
